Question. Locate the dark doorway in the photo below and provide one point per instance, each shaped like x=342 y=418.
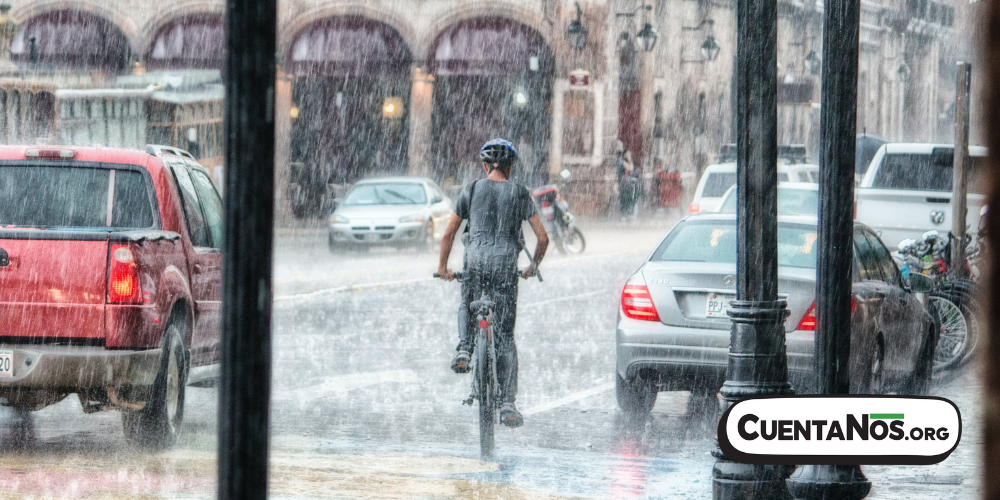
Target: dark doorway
x=493 y=78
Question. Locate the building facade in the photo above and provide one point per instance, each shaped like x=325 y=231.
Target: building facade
x=389 y=86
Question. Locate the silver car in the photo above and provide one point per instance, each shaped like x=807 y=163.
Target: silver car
x=673 y=332
x=390 y=211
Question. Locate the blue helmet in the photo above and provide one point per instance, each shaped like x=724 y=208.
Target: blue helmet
x=498 y=151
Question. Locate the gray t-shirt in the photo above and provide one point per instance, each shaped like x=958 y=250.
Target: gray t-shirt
x=495 y=211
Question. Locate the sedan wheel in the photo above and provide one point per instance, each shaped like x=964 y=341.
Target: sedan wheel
x=636 y=396
x=876 y=380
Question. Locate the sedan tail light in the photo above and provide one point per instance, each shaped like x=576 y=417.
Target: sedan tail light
x=694 y=208
x=636 y=302
x=123 y=278
x=808 y=322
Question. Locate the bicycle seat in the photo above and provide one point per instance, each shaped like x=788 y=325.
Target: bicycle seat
x=481 y=305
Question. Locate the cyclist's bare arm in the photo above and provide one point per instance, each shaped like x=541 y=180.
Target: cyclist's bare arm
x=543 y=243
x=446 y=243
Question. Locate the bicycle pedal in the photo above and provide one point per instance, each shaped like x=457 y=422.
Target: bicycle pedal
x=468 y=401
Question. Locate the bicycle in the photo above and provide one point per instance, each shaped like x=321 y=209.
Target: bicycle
x=485 y=385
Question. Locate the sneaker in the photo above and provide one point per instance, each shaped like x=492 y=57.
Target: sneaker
x=460 y=363
x=509 y=415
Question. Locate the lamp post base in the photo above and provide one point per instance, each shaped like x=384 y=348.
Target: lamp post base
x=822 y=482
x=736 y=481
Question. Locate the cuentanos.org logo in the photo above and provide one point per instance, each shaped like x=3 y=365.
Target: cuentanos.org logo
x=840 y=429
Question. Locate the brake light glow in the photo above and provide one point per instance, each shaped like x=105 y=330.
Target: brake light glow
x=694 y=208
x=123 y=280
x=636 y=302
x=50 y=154
x=483 y=323
x=808 y=322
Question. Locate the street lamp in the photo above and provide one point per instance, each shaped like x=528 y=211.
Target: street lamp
x=576 y=33
x=709 y=49
x=814 y=62
x=647 y=36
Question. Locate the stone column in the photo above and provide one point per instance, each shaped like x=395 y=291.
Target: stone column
x=421 y=112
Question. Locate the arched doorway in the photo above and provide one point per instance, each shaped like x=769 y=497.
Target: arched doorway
x=350 y=101
x=70 y=39
x=493 y=78
x=195 y=41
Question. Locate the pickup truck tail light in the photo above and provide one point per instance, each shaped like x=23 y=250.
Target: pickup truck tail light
x=808 y=322
x=123 y=278
x=636 y=302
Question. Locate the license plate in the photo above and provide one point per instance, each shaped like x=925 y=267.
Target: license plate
x=371 y=237
x=715 y=306
x=6 y=363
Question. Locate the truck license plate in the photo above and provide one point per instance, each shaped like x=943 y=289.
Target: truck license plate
x=715 y=306
x=6 y=363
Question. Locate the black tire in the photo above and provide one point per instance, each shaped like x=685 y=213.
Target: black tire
x=158 y=424
x=573 y=242
x=963 y=293
x=426 y=245
x=636 y=397
x=957 y=323
x=335 y=248
x=487 y=397
x=876 y=369
x=559 y=237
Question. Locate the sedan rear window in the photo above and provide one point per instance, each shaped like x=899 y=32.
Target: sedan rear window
x=387 y=193
x=715 y=241
x=717 y=183
x=790 y=202
x=73 y=197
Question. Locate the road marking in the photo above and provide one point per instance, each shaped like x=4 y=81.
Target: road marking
x=560 y=299
x=369 y=286
x=338 y=384
x=572 y=398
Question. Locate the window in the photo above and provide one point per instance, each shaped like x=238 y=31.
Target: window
x=131 y=204
x=920 y=172
x=890 y=273
x=717 y=183
x=45 y=197
x=868 y=265
x=715 y=241
x=212 y=205
x=197 y=228
x=387 y=193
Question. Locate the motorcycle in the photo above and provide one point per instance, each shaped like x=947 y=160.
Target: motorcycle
x=554 y=211
x=952 y=300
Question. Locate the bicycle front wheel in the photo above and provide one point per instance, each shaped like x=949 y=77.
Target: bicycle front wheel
x=487 y=395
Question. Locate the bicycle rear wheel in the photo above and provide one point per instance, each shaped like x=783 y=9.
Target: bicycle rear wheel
x=487 y=394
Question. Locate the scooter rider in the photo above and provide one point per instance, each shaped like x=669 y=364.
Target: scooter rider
x=495 y=209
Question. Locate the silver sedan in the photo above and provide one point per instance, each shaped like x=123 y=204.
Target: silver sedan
x=392 y=211
x=673 y=331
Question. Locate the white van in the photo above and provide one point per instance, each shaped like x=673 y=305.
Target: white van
x=718 y=178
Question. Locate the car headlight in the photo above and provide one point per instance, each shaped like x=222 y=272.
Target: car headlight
x=339 y=219
x=412 y=218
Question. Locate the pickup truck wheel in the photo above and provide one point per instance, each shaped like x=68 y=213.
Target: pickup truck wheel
x=158 y=423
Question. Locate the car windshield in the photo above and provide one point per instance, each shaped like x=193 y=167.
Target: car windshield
x=920 y=172
x=715 y=241
x=717 y=183
x=50 y=197
x=790 y=202
x=387 y=193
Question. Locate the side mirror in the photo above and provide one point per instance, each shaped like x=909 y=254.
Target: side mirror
x=436 y=199
x=920 y=283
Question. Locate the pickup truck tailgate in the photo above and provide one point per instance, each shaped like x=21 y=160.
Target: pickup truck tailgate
x=53 y=288
x=900 y=214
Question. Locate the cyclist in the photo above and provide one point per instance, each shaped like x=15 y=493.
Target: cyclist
x=495 y=209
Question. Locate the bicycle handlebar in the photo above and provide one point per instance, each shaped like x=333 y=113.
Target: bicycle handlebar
x=461 y=275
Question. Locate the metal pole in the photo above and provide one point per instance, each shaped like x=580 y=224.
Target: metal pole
x=246 y=296
x=838 y=142
x=960 y=182
x=758 y=365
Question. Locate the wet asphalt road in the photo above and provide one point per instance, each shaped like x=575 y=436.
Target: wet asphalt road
x=364 y=405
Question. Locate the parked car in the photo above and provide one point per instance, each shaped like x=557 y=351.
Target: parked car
x=718 y=178
x=110 y=282
x=907 y=191
x=673 y=332
x=391 y=211
x=794 y=198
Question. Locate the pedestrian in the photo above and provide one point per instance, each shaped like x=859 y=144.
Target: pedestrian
x=628 y=183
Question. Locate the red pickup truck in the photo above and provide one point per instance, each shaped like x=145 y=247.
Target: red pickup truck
x=110 y=282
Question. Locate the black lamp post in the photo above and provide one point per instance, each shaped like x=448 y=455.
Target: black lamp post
x=814 y=62
x=709 y=49
x=758 y=364
x=835 y=242
x=647 y=37
x=576 y=33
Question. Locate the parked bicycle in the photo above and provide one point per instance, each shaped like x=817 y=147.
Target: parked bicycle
x=485 y=385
